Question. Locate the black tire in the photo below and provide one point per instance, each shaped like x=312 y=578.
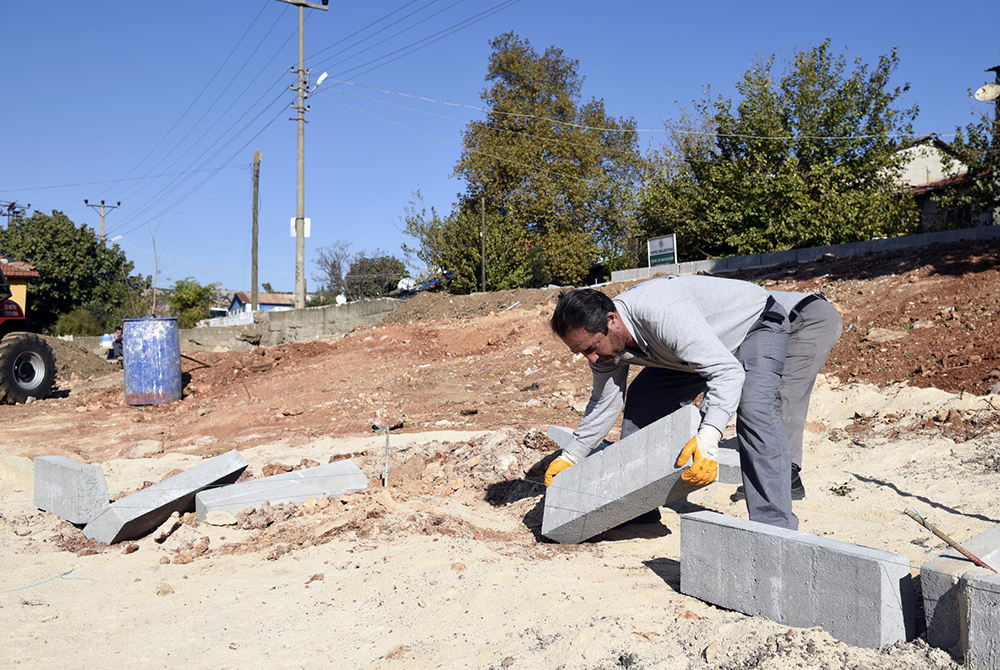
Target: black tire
x=27 y=367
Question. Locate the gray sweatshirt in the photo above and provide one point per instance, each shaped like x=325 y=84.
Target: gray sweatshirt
x=689 y=323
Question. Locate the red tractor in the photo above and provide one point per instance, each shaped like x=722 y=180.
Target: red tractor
x=27 y=366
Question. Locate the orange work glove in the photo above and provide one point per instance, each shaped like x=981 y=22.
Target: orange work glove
x=703 y=450
x=555 y=467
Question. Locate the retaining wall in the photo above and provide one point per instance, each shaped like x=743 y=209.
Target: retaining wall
x=272 y=328
x=734 y=263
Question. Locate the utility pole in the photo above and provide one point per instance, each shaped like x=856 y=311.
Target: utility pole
x=253 y=250
x=102 y=206
x=301 y=108
x=482 y=239
x=12 y=210
x=996 y=109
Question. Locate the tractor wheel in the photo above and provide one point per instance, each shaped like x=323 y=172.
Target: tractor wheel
x=27 y=367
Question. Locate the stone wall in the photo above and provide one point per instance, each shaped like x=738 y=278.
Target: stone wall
x=734 y=263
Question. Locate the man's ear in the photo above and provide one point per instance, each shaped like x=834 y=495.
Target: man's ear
x=613 y=320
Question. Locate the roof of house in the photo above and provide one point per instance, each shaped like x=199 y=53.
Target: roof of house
x=18 y=268
x=934 y=141
x=266 y=298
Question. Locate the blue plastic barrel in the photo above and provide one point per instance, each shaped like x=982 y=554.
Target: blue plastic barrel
x=152 y=361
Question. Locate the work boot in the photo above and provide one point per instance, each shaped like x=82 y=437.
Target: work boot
x=798 y=488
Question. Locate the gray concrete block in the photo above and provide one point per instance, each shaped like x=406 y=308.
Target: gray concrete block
x=743 y=262
x=332 y=480
x=70 y=489
x=620 y=482
x=859 y=595
x=962 y=602
x=777 y=258
x=143 y=511
x=729 y=456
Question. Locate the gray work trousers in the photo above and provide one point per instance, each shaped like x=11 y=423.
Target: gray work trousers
x=815 y=328
x=763 y=442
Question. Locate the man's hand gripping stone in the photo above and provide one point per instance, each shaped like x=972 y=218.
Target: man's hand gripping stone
x=703 y=450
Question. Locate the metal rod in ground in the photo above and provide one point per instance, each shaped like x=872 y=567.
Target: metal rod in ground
x=915 y=515
x=385 y=475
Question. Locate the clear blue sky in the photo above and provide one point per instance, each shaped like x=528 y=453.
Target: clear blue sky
x=92 y=87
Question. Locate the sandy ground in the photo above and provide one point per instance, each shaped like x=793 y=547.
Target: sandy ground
x=478 y=589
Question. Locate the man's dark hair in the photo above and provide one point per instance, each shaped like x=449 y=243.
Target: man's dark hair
x=582 y=308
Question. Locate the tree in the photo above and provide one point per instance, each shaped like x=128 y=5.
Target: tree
x=805 y=159
x=80 y=322
x=454 y=245
x=373 y=276
x=76 y=270
x=332 y=263
x=267 y=287
x=190 y=301
x=550 y=164
x=977 y=195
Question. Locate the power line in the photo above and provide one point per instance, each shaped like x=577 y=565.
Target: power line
x=115 y=181
x=361 y=30
x=383 y=41
x=440 y=35
x=424 y=42
x=220 y=96
x=333 y=81
x=197 y=98
x=215 y=172
x=456 y=144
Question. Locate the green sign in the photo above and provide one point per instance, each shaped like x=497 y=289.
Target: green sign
x=662 y=250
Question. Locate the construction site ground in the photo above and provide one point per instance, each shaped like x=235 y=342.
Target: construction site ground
x=445 y=566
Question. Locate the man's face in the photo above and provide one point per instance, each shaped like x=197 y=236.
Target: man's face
x=598 y=348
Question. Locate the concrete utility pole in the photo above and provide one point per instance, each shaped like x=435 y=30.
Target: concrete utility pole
x=253 y=249
x=104 y=240
x=482 y=238
x=300 y=205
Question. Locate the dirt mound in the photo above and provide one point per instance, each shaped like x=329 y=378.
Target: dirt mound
x=928 y=316
x=427 y=306
x=72 y=359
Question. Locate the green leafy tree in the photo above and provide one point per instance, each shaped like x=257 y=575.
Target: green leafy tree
x=75 y=270
x=267 y=287
x=806 y=158
x=551 y=163
x=454 y=245
x=190 y=301
x=80 y=322
x=975 y=199
x=373 y=276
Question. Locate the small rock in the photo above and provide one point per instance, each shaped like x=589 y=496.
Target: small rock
x=164 y=589
x=322 y=502
x=318 y=577
x=183 y=559
x=142 y=449
x=534 y=402
x=130 y=548
x=309 y=504
x=711 y=651
x=995 y=390
x=458 y=567
x=292 y=411
x=507 y=662
x=164 y=560
x=220 y=517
